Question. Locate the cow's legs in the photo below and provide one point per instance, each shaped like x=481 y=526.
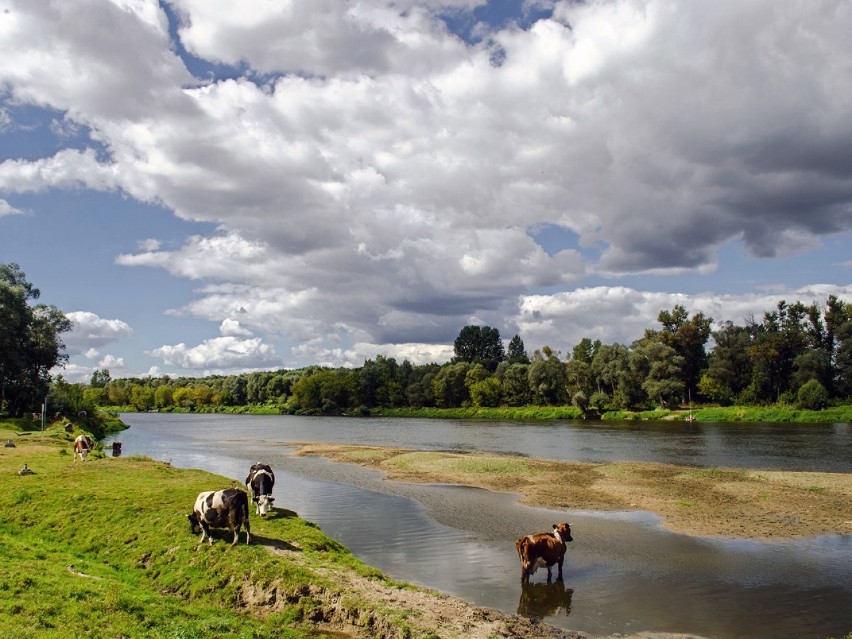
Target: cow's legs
x=205 y=532
x=560 y=568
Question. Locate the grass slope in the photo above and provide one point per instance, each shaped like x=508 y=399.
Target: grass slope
x=103 y=549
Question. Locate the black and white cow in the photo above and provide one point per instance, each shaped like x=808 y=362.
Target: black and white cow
x=259 y=483
x=221 y=509
x=83 y=445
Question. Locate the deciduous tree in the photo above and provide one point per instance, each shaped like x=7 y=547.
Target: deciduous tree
x=30 y=342
x=479 y=344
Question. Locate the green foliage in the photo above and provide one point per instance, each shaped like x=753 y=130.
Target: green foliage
x=519 y=413
x=485 y=392
x=517 y=353
x=480 y=344
x=812 y=396
x=547 y=380
x=30 y=343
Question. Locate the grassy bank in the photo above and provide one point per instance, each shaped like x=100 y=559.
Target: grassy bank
x=519 y=413
x=103 y=549
x=788 y=414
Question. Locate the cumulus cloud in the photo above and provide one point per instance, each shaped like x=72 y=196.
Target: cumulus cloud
x=232 y=328
x=112 y=363
x=89 y=332
x=226 y=353
x=375 y=179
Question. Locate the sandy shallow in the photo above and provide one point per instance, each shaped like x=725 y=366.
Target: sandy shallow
x=738 y=504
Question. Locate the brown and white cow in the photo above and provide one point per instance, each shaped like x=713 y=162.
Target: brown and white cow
x=220 y=509
x=544 y=549
x=259 y=483
x=83 y=445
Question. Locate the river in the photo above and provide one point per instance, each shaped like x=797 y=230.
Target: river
x=623 y=572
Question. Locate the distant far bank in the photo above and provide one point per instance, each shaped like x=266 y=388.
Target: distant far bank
x=710 y=414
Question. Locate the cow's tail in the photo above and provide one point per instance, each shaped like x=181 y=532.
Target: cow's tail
x=246 y=519
x=246 y=509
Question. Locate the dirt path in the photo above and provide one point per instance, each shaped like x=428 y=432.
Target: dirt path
x=734 y=503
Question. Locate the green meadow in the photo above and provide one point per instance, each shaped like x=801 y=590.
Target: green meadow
x=103 y=549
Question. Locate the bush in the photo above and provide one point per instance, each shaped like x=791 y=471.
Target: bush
x=812 y=396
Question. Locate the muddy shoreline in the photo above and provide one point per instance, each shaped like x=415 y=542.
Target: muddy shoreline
x=736 y=504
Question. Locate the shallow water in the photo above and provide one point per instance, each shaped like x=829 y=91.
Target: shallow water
x=623 y=572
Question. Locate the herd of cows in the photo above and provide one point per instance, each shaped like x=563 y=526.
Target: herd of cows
x=229 y=508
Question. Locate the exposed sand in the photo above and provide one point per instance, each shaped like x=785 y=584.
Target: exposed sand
x=744 y=504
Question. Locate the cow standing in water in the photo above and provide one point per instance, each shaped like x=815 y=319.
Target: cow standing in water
x=221 y=509
x=543 y=550
x=83 y=445
x=259 y=483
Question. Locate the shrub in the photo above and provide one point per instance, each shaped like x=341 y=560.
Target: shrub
x=812 y=396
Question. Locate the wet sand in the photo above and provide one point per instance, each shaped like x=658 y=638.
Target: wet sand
x=738 y=504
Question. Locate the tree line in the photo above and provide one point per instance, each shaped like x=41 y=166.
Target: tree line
x=795 y=354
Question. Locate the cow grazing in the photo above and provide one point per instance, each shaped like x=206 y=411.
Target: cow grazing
x=544 y=549
x=259 y=484
x=220 y=509
x=83 y=445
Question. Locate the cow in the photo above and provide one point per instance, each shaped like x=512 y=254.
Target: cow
x=220 y=509
x=83 y=445
x=259 y=484
x=544 y=549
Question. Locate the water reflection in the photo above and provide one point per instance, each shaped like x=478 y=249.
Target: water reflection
x=814 y=447
x=541 y=600
x=623 y=573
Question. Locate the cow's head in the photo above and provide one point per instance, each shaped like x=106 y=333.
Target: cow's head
x=193 y=523
x=264 y=504
x=563 y=531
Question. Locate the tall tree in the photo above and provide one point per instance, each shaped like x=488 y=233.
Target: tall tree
x=547 y=379
x=30 y=342
x=100 y=378
x=730 y=367
x=688 y=337
x=517 y=353
x=479 y=344
x=449 y=388
x=662 y=366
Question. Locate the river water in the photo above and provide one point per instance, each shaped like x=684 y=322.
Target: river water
x=623 y=572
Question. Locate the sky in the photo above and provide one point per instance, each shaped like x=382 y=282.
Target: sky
x=218 y=186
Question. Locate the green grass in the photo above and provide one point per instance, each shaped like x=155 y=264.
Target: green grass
x=520 y=413
x=103 y=549
x=777 y=413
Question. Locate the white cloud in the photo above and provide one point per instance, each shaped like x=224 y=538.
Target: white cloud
x=149 y=245
x=232 y=328
x=112 y=363
x=373 y=178
x=8 y=209
x=89 y=331
x=226 y=353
